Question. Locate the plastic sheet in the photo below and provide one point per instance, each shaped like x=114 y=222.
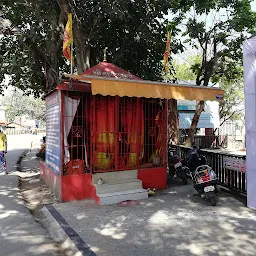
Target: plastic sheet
x=249 y=60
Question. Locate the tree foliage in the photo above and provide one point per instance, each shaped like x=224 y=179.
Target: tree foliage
x=232 y=108
x=133 y=31
x=17 y=104
x=184 y=68
x=217 y=29
x=31 y=48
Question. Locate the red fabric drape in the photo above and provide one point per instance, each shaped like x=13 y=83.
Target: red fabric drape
x=159 y=143
x=133 y=123
x=104 y=130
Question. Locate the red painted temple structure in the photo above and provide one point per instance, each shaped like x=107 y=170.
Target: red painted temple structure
x=106 y=134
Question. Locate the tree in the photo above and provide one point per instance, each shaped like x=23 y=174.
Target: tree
x=184 y=67
x=31 y=48
x=17 y=104
x=217 y=29
x=232 y=108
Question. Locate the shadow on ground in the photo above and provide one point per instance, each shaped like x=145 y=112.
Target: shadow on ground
x=174 y=222
x=20 y=234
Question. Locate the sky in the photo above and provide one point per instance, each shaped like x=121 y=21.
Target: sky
x=189 y=51
x=253 y=5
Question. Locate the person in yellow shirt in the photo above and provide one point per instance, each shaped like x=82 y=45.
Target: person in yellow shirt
x=3 y=151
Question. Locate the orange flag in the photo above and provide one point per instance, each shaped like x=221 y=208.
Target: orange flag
x=167 y=51
x=68 y=38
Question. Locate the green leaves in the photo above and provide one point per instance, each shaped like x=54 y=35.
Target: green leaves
x=18 y=104
x=218 y=29
x=133 y=31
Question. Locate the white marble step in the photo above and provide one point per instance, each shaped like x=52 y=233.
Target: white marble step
x=120 y=196
x=115 y=177
x=122 y=186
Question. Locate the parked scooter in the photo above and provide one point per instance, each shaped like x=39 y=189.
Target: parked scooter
x=177 y=167
x=205 y=183
x=204 y=178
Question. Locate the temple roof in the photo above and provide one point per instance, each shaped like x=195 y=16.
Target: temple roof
x=106 y=69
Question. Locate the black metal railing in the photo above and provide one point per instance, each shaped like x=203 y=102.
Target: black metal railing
x=207 y=141
x=231 y=176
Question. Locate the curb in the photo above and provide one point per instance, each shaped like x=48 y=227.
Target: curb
x=44 y=217
x=55 y=231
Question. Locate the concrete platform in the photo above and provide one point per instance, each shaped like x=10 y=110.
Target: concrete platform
x=107 y=188
x=119 y=186
x=172 y=223
x=124 y=195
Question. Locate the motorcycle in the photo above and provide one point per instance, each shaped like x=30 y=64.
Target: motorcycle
x=206 y=183
x=177 y=167
x=204 y=178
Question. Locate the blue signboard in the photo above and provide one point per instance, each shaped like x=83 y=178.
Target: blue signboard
x=53 y=132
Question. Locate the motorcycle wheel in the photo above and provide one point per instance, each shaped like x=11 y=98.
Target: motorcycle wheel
x=213 y=200
x=217 y=187
x=171 y=171
x=184 y=178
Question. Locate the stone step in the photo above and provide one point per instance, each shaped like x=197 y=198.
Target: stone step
x=115 y=177
x=120 y=196
x=108 y=188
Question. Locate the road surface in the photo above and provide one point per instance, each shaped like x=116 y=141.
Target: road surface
x=17 y=144
x=20 y=234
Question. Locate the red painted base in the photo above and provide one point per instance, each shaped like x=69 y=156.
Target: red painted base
x=76 y=187
x=67 y=188
x=153 y=178
x=51 y=179
x=94 y=195
x=79 y=186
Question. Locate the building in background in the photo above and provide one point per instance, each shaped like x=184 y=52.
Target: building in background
x=208 y=122
x=26 y=122
x=234 y=131
x=3 y=122
x=209 y=118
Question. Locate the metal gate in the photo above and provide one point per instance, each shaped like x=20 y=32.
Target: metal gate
x=111 y=133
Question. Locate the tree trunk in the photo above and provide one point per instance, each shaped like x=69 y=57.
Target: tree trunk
x=81 y=43
x=82 y=51
x=52 y=63
x=192 y=129
x=173 y=123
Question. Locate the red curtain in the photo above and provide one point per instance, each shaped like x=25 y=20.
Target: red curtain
x=159 y=143
x=133 y=123
x=104 y=132
x=131 y=132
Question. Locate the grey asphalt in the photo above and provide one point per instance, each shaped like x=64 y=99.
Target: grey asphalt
x=17 y=144
x=20 y=234
x=172 y=223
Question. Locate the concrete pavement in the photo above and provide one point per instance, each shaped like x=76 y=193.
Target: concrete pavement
x=172 y=223
x=20 y=234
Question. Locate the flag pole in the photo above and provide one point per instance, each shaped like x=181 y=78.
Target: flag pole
x=71 y=59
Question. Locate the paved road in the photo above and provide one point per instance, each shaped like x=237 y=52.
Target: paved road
x=17 y=144
x=20 y=235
